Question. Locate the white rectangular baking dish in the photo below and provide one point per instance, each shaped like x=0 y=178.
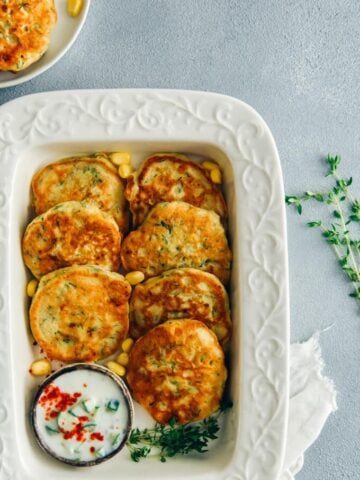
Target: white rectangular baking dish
x=38 y=129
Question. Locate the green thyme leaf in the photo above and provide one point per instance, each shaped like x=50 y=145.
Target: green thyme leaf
x=356 y=294
x=333 y=163
x=340 y=235
x=315 y=224
x=174 y=439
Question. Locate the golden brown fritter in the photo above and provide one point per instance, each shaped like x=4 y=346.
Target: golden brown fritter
x=177 y=370
x=168 y=177
x=180 y=293
x=25 y=29
x=93 y=179
x=80 y=313
x=71 y=233
x=177 y=235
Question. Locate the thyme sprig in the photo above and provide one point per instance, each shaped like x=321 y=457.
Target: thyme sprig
x=345 y=210
x=173 y=439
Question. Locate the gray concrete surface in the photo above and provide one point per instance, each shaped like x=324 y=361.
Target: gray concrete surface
x=298 y=64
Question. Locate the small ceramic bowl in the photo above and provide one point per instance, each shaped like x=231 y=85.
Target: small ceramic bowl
x=82 y=414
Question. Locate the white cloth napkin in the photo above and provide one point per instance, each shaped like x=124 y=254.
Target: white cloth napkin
x=312 y=399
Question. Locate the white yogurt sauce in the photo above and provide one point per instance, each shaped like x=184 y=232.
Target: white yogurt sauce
x=82 y=415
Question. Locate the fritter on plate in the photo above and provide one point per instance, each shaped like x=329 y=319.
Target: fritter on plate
x=177 y=370
x=93 y=179
x=168 y=177
x=71 y=233
x=180 y=293
x=177 y=235
x=25 y=29
x=80 y=313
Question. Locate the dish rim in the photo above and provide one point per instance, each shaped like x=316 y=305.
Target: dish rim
x=24 y=76
x=235 y=130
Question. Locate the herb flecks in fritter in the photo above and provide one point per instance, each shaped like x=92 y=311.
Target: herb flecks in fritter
x=178 y=235
x=170 y=177
x=181 y=293
x=71 y=233
x=80 y=313
x=177 y=369
x=25 y=30
x=93 y=179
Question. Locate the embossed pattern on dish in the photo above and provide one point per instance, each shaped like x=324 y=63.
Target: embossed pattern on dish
x=234 y=135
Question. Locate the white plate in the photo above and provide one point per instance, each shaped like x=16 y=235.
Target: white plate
x=38 y=129
x=63 y=36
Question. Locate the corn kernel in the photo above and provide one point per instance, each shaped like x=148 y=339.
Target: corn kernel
x=74 y=7
x=134 y=277
x=120 y=158
x=40 y=367
x=31 y=287
x=209 y=165
x=125 y=171
x=127 y=345
x=123 y=359
x=215 y=175
x=116 y=368
x=220 y=331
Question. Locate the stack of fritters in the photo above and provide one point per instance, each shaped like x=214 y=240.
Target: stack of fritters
x=180 y=315
x=78 y=313
x=168 y=177
x=92 y=179
x=176 y=367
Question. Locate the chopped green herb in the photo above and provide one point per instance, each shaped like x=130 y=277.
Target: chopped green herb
x=166 y=225
x=51 y=430
x=115 y=438
x=90 y=405
x=71 y=411
x=100 y=452
x=113 y=405
x=89 y=425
